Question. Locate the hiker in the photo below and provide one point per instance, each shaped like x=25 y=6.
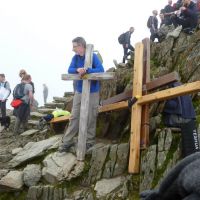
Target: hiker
x=187 y=16
x=24 y=92
x=4 y=94
x=179 y=112
x=125 y=40
x=22 y=73
x=167 y=12
x=77 y=67
x=152 y=24
x=45 y=93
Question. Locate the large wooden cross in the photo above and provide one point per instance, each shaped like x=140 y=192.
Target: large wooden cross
x=136 y=115
x=83 y=120
x=147 y=99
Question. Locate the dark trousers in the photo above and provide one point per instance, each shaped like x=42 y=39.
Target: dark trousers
x=3 y=111
x=126 y=51
x=190 y=141
x=185 y=22
x=154 y=35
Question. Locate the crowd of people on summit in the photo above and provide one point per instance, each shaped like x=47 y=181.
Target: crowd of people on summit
x=182 y=13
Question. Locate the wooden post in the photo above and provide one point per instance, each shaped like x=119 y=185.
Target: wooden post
x=84 y=111
x=145 y=109
x=136 y=111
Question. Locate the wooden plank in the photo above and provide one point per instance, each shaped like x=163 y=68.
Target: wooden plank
x=162 y=81
x=113 y=107
x=92 y=76
x=145 y=108
x=185 y=89
x=60 y=119
x=84 y=110
x=117 y=98
x=155 y=84
x=136 y=111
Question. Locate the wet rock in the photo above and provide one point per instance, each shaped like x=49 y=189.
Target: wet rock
x=32 y=175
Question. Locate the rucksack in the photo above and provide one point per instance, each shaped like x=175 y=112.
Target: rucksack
x=9 y=89
x=149 y=22
x=121 y=38
x=18 y=92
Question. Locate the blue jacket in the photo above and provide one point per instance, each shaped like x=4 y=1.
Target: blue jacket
x=181 y=106
x=78 y=62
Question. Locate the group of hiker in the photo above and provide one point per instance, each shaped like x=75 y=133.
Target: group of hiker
x=183 y=13
x=23 y=101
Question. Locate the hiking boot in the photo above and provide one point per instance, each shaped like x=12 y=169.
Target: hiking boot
x=65 y=147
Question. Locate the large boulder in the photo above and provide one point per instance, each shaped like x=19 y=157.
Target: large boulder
x=58 y=166
x=35 y=149
x=12 y=181
x=32 y=175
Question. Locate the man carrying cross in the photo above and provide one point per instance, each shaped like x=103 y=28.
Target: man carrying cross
x=77 y=67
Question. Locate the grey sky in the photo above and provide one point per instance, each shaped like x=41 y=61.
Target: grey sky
x=36 y=35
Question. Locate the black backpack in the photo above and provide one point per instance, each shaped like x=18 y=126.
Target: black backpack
x=18 y=92
x=121 y=38
x=149 y=22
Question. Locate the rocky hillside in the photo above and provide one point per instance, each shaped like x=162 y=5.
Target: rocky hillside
x=31 y=167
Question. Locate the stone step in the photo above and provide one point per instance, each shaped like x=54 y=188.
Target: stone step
x=45 y=110
x=33 y=124
x=60 y=99
x=68 y=94
x=36 y=115
x=30 y=132
x=54 y=105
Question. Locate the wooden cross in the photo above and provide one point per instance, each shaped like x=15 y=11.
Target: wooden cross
x=83 y=120
x=145 y=100
x=134 y=158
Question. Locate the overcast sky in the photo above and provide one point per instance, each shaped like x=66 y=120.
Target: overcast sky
x=36 y=35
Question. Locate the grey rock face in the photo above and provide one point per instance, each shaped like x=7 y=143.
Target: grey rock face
x=110 y=164
x=47 y=192
x=148 y=167
x=35 y=149
x=106 y=186
x=32 y=175
x=12 y=181
x=58 y=166
x=122 y=159
x=97 y=161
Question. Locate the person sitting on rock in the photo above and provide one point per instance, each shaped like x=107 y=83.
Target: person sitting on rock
x=187 y=16
x=179 y=112
x=167 y=12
